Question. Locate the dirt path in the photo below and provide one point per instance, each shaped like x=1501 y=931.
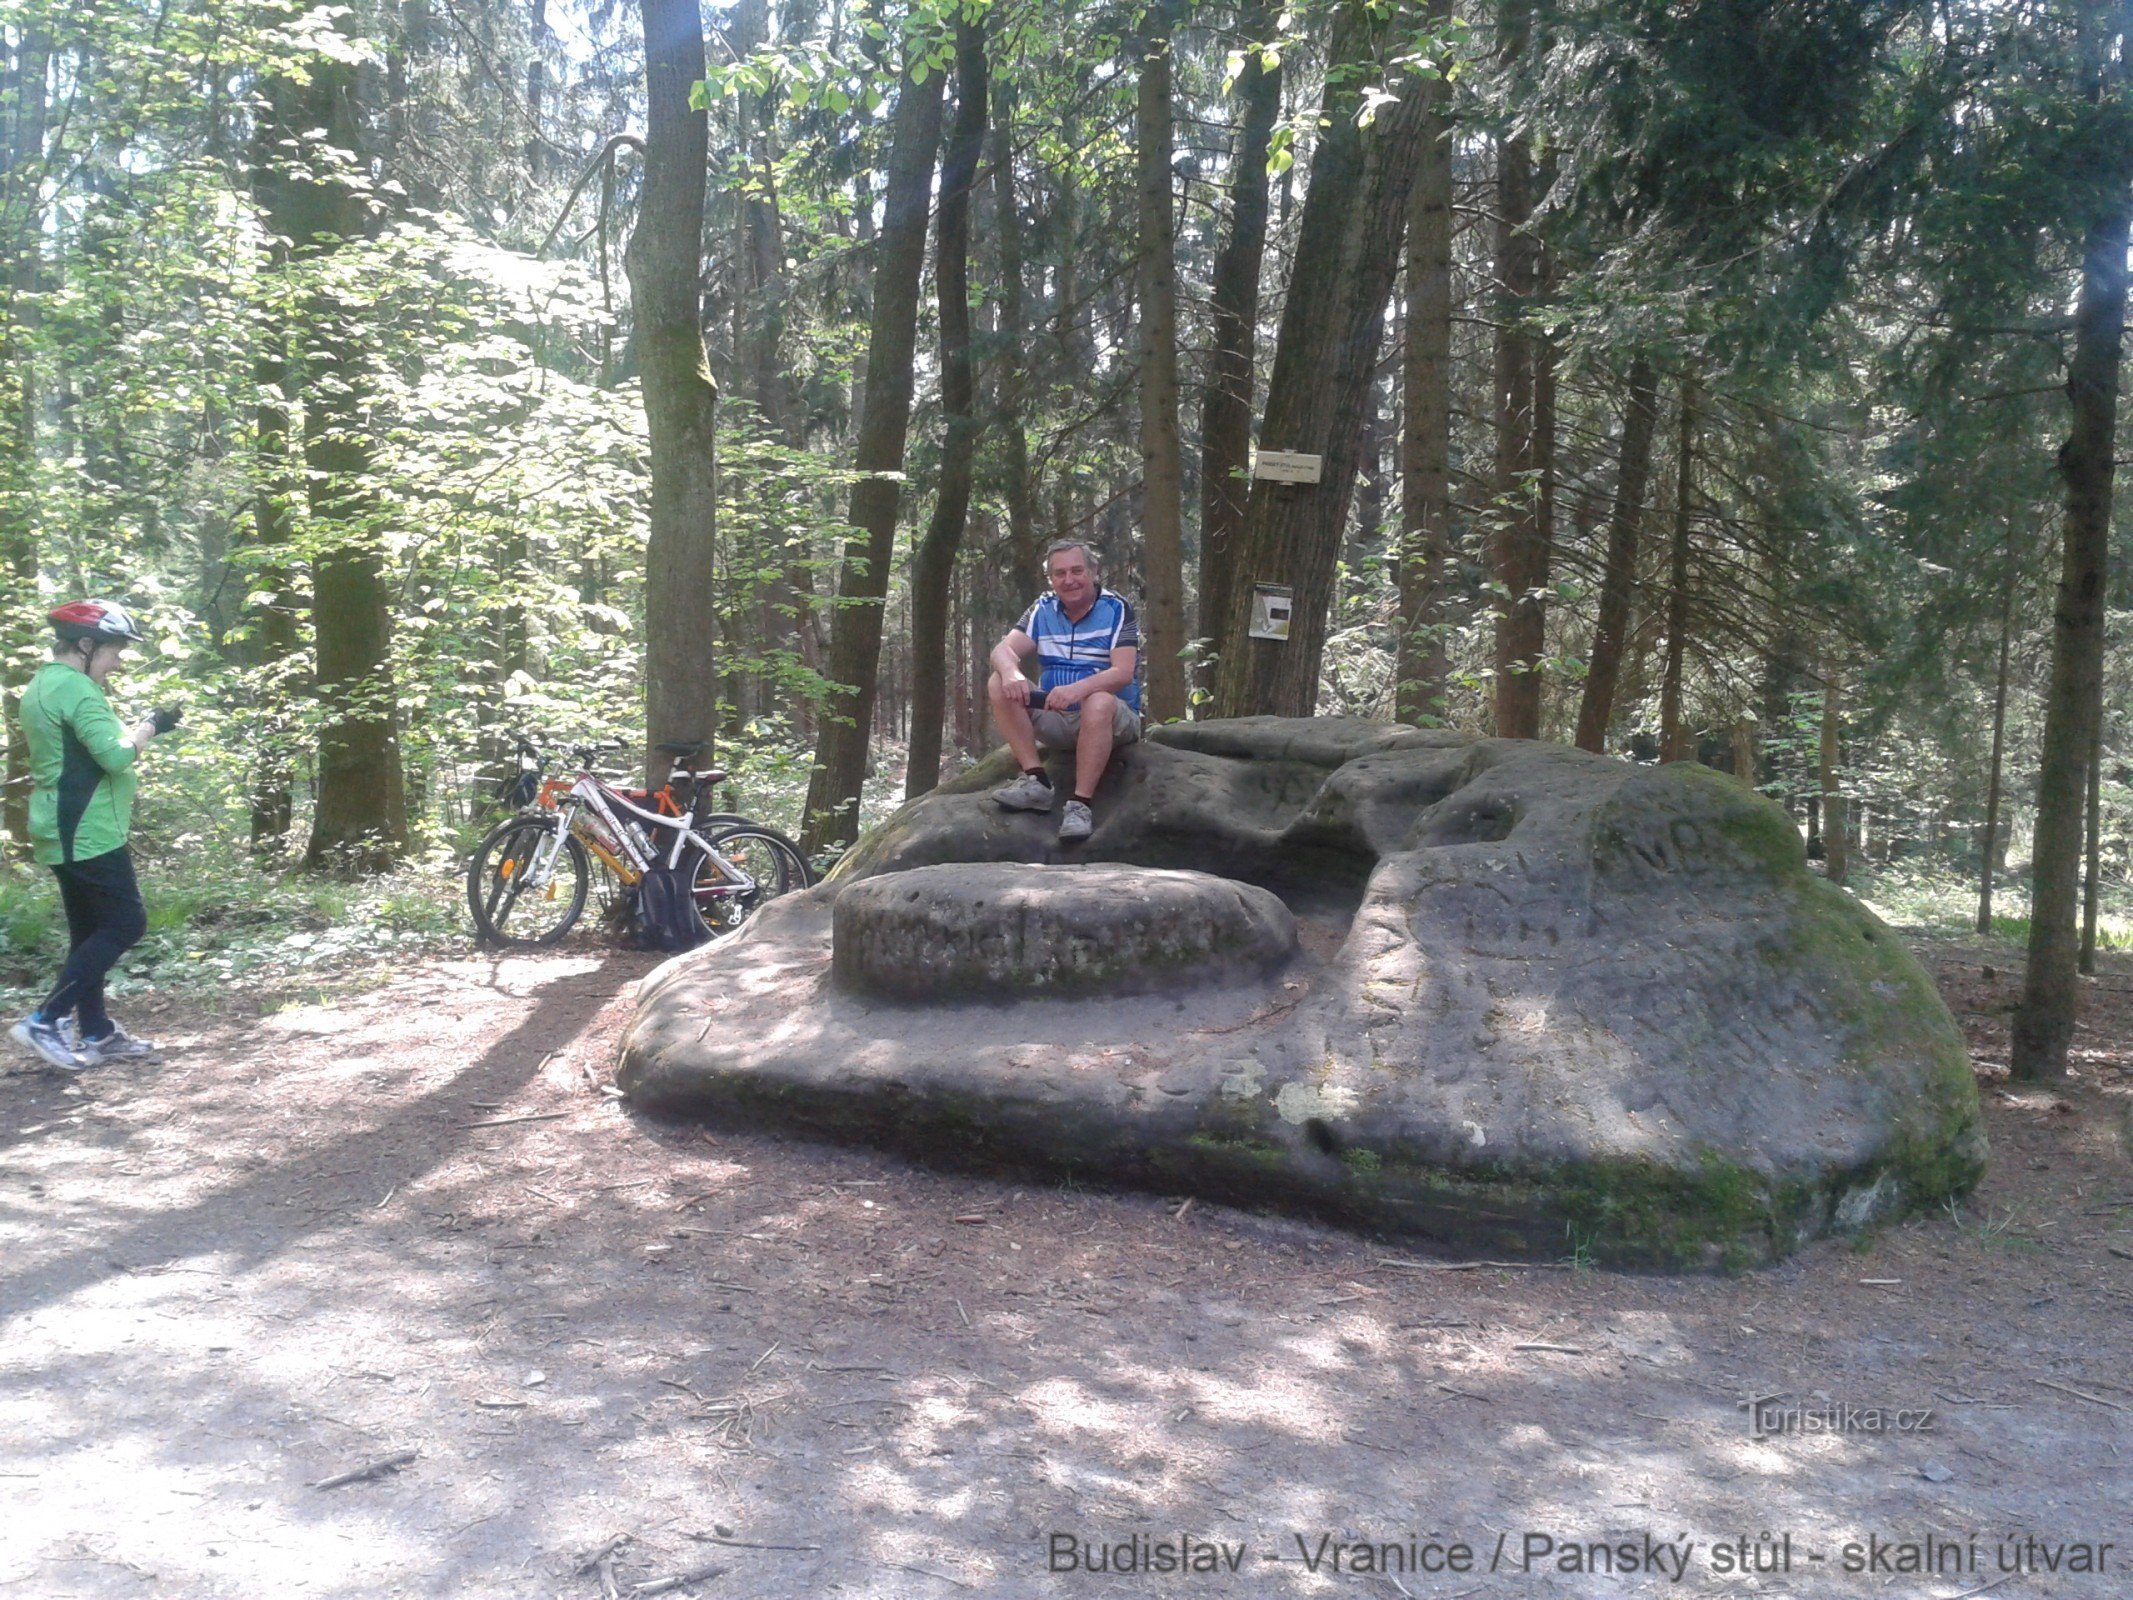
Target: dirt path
x=625 y=1351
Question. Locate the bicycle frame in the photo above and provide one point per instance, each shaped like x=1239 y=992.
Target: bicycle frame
x=567 y=798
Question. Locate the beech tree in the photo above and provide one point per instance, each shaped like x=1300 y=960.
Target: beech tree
x=360 y=819
x=680 y=398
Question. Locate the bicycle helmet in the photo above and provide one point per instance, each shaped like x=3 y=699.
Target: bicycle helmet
x=104 y=621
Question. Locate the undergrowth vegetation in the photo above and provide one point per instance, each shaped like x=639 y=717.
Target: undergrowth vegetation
x=226 y=924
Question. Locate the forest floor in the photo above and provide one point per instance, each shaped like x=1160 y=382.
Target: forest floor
x=409 y=1224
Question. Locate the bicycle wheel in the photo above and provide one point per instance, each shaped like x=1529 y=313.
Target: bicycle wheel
x=510 y=907
x=766 y=864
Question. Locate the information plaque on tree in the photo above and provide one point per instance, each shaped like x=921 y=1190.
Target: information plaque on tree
x=1286 y=466
x=1271 y=605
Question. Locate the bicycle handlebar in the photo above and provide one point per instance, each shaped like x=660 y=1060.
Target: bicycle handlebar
x=580 y=754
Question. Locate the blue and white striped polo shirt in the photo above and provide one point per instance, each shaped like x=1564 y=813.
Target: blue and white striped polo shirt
x=1069 y=651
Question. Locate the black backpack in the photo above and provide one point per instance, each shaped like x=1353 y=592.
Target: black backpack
x=664 y=915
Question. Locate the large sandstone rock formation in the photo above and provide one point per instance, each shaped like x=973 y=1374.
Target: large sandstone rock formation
x=1545 y=1002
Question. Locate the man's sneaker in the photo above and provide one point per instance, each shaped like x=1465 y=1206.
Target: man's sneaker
x=44 y=1038
x=1027 y=793
x=117 y=1045
x=1075 y=822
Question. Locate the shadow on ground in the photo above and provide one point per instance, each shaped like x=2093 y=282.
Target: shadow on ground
x=627 y=1350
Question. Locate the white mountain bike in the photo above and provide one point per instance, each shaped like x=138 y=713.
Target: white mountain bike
x=528 y=881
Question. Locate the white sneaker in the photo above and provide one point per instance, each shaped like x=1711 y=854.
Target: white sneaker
x=1076 y=822
x=44 y=1039
x=117 y=1045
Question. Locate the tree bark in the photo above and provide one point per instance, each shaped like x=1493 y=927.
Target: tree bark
x=1618 y=581
x=1233 y=328
x=1162 y=467
x=933 y=563
x=1025 y=545
x=272 y=634
x=664 y=260
x=1675 y=741
x=784 y=597
x=360 y=820
x=2044 y=1022
x=1744 y=750
x=1999 y=739
x=1836 y=848
x=2092 y=867
x=1421 y=665
x=21 y=236
x=1519 y=553
x=1530 y=558
x=536 y=84
x=1332 y=325
x=839 y=771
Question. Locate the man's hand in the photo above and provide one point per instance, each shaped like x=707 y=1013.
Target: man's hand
x=1067 y=696
x=142 y=732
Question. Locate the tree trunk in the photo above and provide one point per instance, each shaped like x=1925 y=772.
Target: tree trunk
x=1618 y=581
x=785 y=600
x=962 y=631
x=360 y=820
x=1675 y=742
x=536 y=83
x=1836 y=850
x=2092 y=869
x=855 y=634
x=1332 y=325
x=1744 y=750
x=1526 y=635
x=1368 y=521
x=22 y=219
x=1162 y=468
x=2044 y=1022
x=1999 y=739
x=1025 y=545
x=1071 y=322
x=272 y=637
x=1518 y=552
x=1421 y=665
x=1233 y=328
x=933 y=564
x=664 y=260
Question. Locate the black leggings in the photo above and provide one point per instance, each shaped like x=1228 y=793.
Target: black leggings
x=105 y=919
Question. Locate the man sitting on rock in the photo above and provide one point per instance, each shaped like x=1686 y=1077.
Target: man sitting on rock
x=1087 y=642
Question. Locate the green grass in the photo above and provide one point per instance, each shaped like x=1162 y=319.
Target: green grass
x=217 y=923
x=2112 y=932
x=1934 y=899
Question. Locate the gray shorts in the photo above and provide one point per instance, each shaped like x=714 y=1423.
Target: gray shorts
x=1060 y=730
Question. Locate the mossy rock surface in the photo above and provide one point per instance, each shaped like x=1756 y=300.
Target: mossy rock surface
x=962 y=932
x=1548 y=1002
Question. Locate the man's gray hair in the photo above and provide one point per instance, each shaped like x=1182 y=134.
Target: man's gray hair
x=1083 y=545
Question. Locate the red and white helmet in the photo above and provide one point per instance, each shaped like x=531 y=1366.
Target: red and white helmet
x=101 y=620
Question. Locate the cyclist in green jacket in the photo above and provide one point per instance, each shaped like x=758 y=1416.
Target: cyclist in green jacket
x=81 y=808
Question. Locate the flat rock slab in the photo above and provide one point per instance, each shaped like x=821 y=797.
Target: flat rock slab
x=1568 y=1006
x=948 y=933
